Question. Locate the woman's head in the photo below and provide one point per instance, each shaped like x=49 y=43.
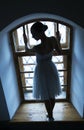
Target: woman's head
x=37 y=29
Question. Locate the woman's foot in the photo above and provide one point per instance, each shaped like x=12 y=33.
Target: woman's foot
x=50 y=119
x=47 y=115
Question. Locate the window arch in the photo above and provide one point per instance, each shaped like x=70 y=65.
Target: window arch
x=25 y=62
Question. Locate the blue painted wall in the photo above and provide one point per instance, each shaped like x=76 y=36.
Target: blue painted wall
x=4 y=115
x=8 y=76
x=77 y=76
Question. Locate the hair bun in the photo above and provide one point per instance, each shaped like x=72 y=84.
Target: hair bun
x=39 y=27
x=45 y=27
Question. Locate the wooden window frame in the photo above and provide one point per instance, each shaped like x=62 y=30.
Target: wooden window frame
x=64 y=51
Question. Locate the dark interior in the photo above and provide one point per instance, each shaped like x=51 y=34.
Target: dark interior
x=13 y=10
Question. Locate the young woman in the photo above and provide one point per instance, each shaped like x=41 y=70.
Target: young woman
x=46 y=84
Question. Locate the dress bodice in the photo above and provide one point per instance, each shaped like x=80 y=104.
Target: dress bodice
x=43 y=58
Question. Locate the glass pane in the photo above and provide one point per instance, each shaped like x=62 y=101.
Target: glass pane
x=20 y=36
x=62 y=29
x=29 y=67
x=29 y=82
x=29 y=59
x=27 y=63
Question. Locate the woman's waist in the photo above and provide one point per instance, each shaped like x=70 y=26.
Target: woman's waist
x=44 y=61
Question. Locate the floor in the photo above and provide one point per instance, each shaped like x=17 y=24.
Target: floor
x=35 y=112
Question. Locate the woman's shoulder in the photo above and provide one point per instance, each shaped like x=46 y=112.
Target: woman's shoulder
x=53 y=38
x=37 y=48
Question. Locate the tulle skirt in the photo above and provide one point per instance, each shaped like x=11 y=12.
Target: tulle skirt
x=46 y=83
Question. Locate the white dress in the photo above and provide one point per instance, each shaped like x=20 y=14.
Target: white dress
x=46 y=83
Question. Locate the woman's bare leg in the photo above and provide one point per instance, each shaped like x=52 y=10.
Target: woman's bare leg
x=49 y=104
x=52 y=100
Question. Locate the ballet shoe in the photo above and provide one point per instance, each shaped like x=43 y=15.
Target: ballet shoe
x=50 y=119
x=47 y=115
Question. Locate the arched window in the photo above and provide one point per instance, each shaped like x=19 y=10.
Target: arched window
x=25 y=62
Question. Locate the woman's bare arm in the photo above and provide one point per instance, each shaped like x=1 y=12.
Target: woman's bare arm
x=27 y=45
x=56 y=45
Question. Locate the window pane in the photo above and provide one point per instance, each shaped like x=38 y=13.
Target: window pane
x=62 y=29
x=20 y=36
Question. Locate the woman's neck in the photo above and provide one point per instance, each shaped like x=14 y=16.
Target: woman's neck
x=43 y=38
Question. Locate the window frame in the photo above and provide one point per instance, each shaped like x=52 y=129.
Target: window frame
x=64 y=51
